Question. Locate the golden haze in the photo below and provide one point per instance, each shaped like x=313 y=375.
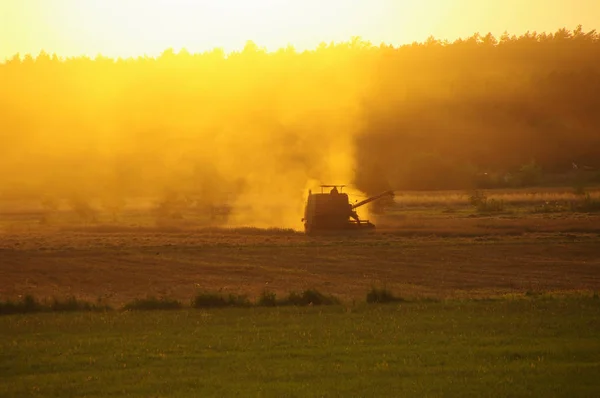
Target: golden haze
x=136 y=27
x=250 y=130
x=257 y=129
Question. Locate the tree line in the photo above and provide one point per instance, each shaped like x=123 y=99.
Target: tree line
x=428 y=115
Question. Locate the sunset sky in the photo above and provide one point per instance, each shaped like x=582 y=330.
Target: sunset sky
x=137 y=27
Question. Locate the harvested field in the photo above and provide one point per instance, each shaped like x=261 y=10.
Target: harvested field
x=412 y=253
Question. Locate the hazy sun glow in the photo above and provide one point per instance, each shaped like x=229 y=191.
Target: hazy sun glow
x=149 y=27
x=137 y=27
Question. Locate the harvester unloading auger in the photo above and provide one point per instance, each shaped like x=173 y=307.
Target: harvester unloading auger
x=333 y=211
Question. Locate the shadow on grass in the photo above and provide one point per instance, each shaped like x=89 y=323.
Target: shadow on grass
x=219 y=300
x=207 y=300
x=152 y=304
x=29 y=305
x=381 y=296
x=309 y=297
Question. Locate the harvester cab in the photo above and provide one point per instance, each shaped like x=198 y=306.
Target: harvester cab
x=332 y=211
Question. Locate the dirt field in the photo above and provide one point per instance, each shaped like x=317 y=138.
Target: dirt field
x=421 y=252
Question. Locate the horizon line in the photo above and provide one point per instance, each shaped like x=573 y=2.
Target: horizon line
x=295 y=47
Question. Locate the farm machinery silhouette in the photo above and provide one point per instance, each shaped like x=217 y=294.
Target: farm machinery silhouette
x=333 y=212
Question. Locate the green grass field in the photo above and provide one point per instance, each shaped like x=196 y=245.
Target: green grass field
x=509 y=347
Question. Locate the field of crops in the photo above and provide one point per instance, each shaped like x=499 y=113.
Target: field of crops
x=499 y=302
x=433 y=246
x=509 y=347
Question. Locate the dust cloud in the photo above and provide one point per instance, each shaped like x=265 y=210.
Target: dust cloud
x=236 y=140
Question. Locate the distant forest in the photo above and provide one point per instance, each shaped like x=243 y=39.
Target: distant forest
x=501 y=111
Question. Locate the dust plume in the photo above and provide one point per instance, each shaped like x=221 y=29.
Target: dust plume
x=186 y=135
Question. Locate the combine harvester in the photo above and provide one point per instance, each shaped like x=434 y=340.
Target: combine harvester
x=333 y=212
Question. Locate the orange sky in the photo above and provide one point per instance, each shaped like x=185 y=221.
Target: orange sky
x=137 y=27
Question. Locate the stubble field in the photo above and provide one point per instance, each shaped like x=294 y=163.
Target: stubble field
x=442 y=249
